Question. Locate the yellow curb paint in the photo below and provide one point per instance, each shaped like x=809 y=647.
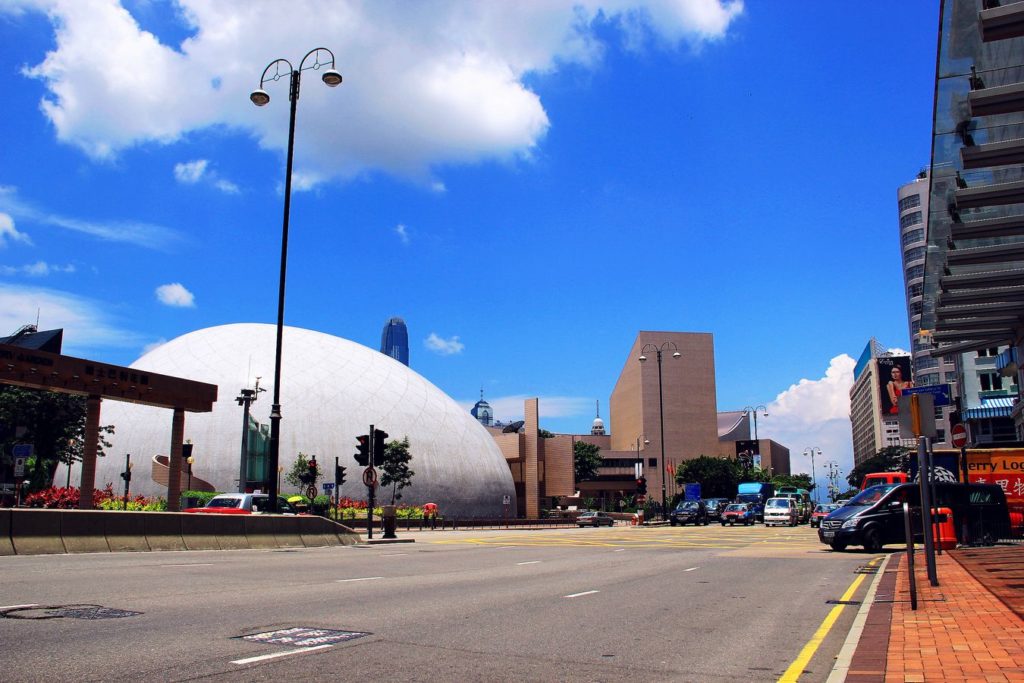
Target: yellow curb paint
x=792 y=674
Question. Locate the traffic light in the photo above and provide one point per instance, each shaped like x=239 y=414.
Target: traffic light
x=339 y=475
x=363 y=452
x=312 y=469
x=378 y=445
x=641 y=486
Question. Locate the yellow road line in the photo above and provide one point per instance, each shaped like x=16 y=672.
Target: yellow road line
x=792 y=674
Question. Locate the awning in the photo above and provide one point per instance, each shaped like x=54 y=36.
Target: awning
x=991 y=407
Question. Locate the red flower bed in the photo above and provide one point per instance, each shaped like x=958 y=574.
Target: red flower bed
x=66 y=498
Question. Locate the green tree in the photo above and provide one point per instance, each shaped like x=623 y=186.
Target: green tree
x=545 y=434
x=717 y=477
x=394 y=468
x=800 y=481
x=586 y=460
x=889 y=459
x=54 y=423
x=298 y=475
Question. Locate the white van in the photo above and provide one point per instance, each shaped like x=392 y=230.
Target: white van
x=780 y=511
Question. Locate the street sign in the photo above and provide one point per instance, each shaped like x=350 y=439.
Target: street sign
x=925 y=412
x=311 y=492
x=370 y=477
x=19 y=466
x=959 y=436
x=328 y=485
x=940 y=392
x=22 y=450
x=506 y=499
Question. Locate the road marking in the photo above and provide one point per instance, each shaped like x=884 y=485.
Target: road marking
x=792 y=674
x=530 y=562
x=576 y=595
x=190 y=564
x=6 y=607
x=618 y=550
x=394 y=554
x=263 y=658
x=691 y=569
x=365 y=578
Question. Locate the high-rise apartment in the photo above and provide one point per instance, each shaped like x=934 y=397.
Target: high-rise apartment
x=878 y=380
x=394 y=340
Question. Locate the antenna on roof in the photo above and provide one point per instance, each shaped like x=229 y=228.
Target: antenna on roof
x=598 y=407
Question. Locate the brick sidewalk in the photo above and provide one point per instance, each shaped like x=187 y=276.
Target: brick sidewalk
x=961 y=631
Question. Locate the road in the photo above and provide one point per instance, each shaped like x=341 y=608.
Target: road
x=655 y=604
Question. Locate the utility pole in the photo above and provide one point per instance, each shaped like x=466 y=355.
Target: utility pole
x=247 y=398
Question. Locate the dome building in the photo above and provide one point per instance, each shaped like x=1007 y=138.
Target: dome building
x=332 y=390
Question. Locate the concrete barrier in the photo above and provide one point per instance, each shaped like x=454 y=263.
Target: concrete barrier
x=287 y=531
x=36 y=532
x=199 y=531
x=83 y=531
x=126 y=532
x=312 y=532
x=6 y=547
x=259 y=531
x=231 y=532
x=163 y=531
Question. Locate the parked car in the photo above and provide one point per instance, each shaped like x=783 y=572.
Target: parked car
x=243 y=504
x=689 y=511
x=738 y=513
x=715 y=507
x=821 y=512
x=595 y=519
x=781 y=511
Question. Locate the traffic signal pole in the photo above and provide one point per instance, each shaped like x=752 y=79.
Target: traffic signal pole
x=370 y=487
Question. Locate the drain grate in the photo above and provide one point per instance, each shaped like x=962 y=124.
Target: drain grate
x=866 y=569
x=67 y=612
x=304 y=637
x=842 y=602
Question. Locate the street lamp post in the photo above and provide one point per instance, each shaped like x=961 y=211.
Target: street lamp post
x=127 y=476
x=833 y=476
x=754 y=409
x=190 y=461
x=260 y=98
x=661 y=409
x=811 y=450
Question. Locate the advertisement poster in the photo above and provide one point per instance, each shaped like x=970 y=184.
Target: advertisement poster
x=1002 y=466
x=893 y=379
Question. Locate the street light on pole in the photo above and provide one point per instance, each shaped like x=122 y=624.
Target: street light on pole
x=260 y=98
x=811 y=450
x=753 y=410
x=661 y=409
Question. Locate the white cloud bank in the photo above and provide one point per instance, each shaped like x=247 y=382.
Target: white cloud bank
x=87 y=323
x=175 y=294
x=443 y=347
x=9 y=233
x=37 y=269
x=815 y=414
x=425 y=83
x=192 y=172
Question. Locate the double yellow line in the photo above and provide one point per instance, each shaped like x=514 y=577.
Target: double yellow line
x=792 y=674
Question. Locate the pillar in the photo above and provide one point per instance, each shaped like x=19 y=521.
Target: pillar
x=174 y=461
x=89 y=449
x=531 y=474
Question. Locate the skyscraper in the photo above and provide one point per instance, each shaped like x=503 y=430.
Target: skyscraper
x=394 y=340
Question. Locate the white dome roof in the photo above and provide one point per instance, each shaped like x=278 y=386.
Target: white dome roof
x=332 y=390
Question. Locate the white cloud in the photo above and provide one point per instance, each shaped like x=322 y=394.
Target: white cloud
x=226 y=186
x=191 y=172
x=815 y=414
x=132 y=232
x=897 y=351
x=443 y=347
x=175 y=294
x=425 y=83
x=403 y=234
x=153 y=345
x=87 y=324
x=37 y=269
x=9 y=233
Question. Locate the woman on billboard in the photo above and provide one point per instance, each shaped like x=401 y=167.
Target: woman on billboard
x=895 y=387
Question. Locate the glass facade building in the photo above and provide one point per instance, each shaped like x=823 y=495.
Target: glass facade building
x=394 y=340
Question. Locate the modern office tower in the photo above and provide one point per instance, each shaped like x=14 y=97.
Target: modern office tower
x=878 y=377
x=974 y=263
x=394 y=340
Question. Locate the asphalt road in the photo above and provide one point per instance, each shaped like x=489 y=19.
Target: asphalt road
x=653 y=604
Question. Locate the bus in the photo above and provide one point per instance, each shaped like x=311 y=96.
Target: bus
x=803 y=498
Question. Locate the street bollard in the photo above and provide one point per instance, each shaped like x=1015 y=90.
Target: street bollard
x=388 y=514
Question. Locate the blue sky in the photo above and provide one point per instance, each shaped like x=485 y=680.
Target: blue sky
x=528 y=184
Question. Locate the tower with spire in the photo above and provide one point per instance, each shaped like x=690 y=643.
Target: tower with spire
x=482 y=411
x=597 y=428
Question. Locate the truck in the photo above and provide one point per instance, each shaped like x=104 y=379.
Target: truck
x=803 y=499
x=755 y=494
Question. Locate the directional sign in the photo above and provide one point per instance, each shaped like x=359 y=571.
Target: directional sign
x=959 y=436
x=328 y=485
x=940 y=392
x=370 y=476
x=19 y=466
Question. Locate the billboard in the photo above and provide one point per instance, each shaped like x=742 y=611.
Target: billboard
x=893 y=379
x=1002 y=466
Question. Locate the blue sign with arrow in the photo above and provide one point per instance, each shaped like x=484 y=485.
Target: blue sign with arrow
x=941 y=393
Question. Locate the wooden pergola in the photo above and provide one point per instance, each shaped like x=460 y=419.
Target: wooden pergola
x=96 y=381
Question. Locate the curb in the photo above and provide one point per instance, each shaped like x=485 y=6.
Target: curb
x=845 y=658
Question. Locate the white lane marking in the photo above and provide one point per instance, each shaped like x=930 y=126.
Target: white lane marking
x=365 y=578
x=520 y=564
x=393 y=554
x=263 y=658
x=34 y=604
x=691 y=569
x=576 y=595
x=618 y=550
x=190 y=564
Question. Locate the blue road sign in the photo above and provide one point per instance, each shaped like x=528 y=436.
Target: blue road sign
x=328 y=485
x=939 y=391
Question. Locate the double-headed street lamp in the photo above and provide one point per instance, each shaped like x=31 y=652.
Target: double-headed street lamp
x=764 y=411
x=661 y=409
x=260 y=97
x=811 y=450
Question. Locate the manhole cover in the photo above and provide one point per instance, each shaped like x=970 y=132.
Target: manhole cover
x=67 y=612
x=304 y=637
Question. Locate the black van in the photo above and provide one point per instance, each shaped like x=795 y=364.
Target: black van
x=874 y=517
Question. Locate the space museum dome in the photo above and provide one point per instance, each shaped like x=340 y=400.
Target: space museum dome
x=332 y=390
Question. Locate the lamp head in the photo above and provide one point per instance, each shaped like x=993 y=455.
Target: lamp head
x=676 y=354
x=642 y=358
x=332 y=78
x=260 y=97
x=191 y=460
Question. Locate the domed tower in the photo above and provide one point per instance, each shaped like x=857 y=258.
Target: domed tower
x=597 y=428
x=482 y=411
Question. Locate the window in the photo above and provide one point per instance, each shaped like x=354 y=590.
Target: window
x=911 y=219
x=988 y=353
x=914 y=272
x=916 y=235
x=915 y=327
x=916 y=307
x=927 y=380
x=925 y=362
x=915 y=289
x=990 y=381
x=940 y=434
x=652 y=462
x=951 y=378
x=910 y=202
x=913 y=254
